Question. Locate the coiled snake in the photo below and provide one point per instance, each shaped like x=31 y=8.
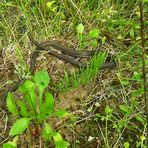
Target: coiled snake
x=65 y=54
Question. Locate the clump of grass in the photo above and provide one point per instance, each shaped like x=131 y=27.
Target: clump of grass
x=73 y=80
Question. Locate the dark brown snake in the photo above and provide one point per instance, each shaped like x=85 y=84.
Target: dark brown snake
x=66 y=54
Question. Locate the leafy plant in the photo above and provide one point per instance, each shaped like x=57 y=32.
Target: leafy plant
x=48 y=134
x=141 y=141
x=126 y=145
x=12 y=144
x=34 y=106
x=80 y=30
x=121 y=123
x=88 y=39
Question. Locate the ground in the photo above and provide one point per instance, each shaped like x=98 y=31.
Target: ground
x=108 y=111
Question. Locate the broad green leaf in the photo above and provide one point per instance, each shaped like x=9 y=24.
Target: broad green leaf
x=61 y=113
x=145 y=1
x=108 y=110
x=26 y=87
x=48 y=105
x=47 y=132
x=57 y=137
x=94 y=33
x=132 y=34
x=62 y=144
x=51 y=7
x=80 y=28
x=11 y=104
x=41 y=78
x=19 y=126
x=94 y=43
x=10 y=144
x=49 y=4
x=142 y=138
x=28 y=91
x=23 y=89
x=32 y=101
x=59 y=142
x=124 y=108
x=141 y=119
x=23 y=108
x=30 y=86
x=126 y=145
x=47 y=128
x=137 y=26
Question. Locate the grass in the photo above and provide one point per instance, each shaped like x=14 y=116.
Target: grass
x=74 y=80
x=113 y=111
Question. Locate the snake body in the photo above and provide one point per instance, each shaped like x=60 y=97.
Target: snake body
x=67 y=55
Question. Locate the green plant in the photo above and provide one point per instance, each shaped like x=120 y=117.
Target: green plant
x=80 y=30
x=121 y=123
x=140 y=142
x=12 y=144
x=35 y=106
x=82 y=76
x=48 y=134
x=90 y=39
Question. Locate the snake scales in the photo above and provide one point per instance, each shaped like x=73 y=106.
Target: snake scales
x=68 y=55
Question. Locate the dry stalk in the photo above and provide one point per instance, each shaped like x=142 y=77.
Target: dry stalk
x=144 y=65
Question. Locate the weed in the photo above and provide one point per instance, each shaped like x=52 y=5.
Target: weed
x=34 y=106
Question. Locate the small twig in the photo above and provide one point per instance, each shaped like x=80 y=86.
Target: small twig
x=143 y=65
x=40 y=139
x=6 y=124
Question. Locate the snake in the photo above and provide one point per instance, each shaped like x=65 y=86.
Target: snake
x=67 y=54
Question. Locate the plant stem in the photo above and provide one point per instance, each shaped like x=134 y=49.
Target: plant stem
x=143 y=66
